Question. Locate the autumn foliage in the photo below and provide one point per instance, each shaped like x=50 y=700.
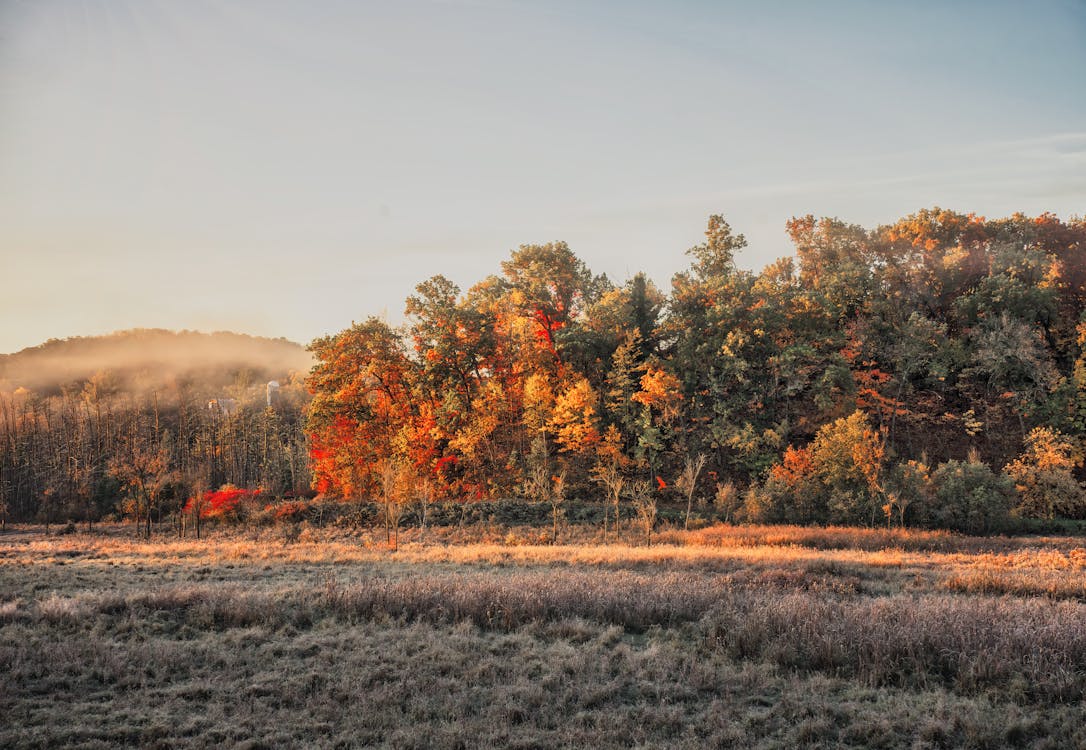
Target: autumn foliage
x=872 y=379
x=220 y=502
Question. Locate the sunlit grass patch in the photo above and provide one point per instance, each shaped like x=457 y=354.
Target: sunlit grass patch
x=772 y=636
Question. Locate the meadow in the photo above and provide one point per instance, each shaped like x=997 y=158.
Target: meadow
x=728 y=636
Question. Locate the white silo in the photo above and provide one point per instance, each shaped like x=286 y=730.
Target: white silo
x=273 y=386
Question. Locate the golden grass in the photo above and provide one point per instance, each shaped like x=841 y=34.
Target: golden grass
x=1021 y=566
x=757 y=636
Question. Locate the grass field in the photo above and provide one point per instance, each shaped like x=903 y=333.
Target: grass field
x=722 y=637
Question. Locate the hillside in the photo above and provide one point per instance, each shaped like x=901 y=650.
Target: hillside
x=149 y=357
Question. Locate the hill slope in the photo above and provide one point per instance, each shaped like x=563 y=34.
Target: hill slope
x=149 y=357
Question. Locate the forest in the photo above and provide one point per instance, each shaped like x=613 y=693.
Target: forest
x=926 y=373
x=134 y=424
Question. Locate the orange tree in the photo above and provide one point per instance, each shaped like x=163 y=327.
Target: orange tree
x=362 y=399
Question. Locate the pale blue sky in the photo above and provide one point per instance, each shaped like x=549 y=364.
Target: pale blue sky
x=283 y=168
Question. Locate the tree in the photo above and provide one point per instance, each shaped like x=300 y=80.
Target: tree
x=716 y=256
x=660 y=398
x=848 y=456
x=839 y=477
x=557 y=497
x=688 y=481
x=793 y=492
x=836 y=262
x=909 y=486
x=1043 y=476
x=424 y=493
x=645 y=507
x=623 y=381
x=396 y=481
x=196 y=505
x=574 y=420
x=362 y=398
x=143 y=472
x=1010 y=356
x=727 y=499
x=608 y=471
x=646 y=303
x=450 y=340
x=550 y=286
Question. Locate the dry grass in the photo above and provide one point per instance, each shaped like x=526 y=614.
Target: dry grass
x=756 y=637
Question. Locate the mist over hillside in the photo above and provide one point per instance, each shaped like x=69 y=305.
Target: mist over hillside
x=148 y=358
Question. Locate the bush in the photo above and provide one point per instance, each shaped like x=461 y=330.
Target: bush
x=780 y=501
x=970 y=497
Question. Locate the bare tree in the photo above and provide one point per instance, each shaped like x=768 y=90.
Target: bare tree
x=610 y=476
x=645 y=507
x=424 y=493
x=727 y=499
x=688 y=481
x=396 y=479
x=557 y=497
x=144 y=473
x=196 y=505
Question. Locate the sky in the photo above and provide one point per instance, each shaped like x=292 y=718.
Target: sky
x=286 y=168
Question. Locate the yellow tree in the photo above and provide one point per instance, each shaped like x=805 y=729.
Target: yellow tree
x=143 y=472
x=575 y=419
x=1043 y=476
x=550 y=285
x=660 y=398
x=848 y=456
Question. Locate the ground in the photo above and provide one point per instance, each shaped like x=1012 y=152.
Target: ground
x=723 y=637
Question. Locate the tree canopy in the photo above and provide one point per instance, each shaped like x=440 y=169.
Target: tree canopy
x=872 y=354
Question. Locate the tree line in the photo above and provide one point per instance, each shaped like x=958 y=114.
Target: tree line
x=928 y=372
x=106 y=447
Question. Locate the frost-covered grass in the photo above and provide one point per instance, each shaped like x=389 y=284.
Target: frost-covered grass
x=750 y=636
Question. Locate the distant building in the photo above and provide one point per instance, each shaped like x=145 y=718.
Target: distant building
x=273 y=388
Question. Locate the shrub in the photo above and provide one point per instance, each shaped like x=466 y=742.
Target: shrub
x=970 y=497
